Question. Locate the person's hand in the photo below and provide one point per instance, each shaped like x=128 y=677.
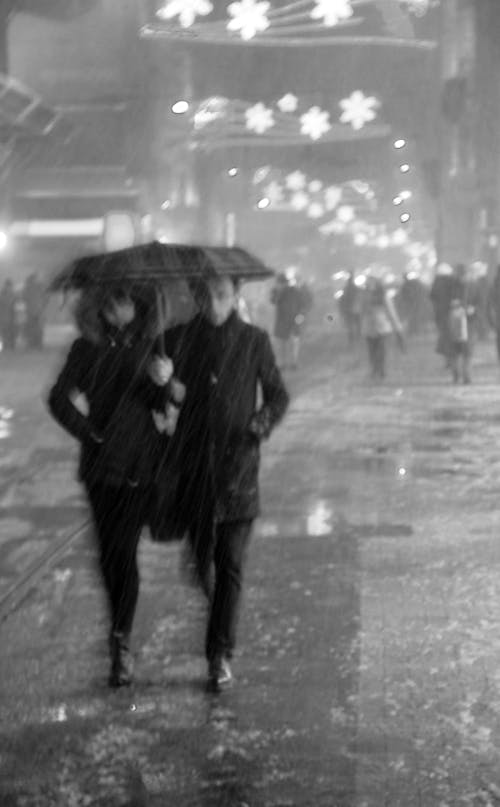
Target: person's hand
x=161 y=370
x=178 y=390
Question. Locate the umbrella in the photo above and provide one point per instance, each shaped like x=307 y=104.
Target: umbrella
x=155 y=263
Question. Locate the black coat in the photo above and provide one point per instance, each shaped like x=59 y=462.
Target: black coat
x=119 y=441
x=221 y=424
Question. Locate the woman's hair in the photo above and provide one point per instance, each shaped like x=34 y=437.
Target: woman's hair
x=93 y=302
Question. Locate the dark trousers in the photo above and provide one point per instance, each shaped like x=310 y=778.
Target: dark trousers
x=376 y=355
x=219 y=550
x=118 y=514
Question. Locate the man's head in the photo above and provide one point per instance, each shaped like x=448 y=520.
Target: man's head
x=216 y=298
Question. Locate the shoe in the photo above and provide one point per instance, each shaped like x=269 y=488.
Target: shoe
x=220 y=676
x=121 y=660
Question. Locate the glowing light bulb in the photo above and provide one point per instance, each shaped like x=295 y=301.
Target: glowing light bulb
x=404 y=168
x=180 y=107
x=404 y=217
x=232 y=172
x=400 y=143
x=263 y=203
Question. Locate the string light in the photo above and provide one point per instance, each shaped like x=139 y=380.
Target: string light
x=180 y=107
x=400 y=143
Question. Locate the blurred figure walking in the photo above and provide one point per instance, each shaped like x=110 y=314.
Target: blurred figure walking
x=462 y=316
x=350 y=309
x=33 y=295
x=8 y=324
x=379 y=319
x=289 y=320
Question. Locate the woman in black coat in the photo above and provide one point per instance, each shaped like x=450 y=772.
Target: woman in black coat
x=109 y=364
x=223 y=362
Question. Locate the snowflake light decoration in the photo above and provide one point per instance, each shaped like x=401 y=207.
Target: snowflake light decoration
x=332 y=11
x=358 y=109
x=333 y=195
x=299 y=201
x=209 y=110
x=345 y=214
x=295 y=181
x=315 y=123
x=315 y=186
x=186 y=10
x=261 y=174
x=274 y=192
x=249 y=17
x=259 y=118
x=288 y=103
x=315 y=210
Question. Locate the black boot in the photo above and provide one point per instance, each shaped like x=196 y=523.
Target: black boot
x=121 y=660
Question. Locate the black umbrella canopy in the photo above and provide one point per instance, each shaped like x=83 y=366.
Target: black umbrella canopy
x=156 y=263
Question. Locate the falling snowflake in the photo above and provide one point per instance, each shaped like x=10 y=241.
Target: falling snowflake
x=315 y=210
x=315 y=186
x=333 y=195
x=274 y=192
x=295 y=181
x=345 y=214
x=419 y=7
x=358 y=109
x=299 y=201
x=259 y=118
x=315 y=123
x=332 y=11
x=186 y=10
x=288 y=103
x=249 y=17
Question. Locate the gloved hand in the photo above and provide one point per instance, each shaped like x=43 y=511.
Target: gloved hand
x=161 y=370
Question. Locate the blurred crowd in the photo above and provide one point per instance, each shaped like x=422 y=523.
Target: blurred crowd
x=462 y=304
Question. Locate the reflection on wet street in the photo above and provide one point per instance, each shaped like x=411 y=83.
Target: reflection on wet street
x=367 y=672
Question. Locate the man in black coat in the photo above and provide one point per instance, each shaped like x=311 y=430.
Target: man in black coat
x=222 y=362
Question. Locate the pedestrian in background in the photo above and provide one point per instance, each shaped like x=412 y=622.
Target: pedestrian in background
x=120 y=443
x=462 y=323
x=350 y=309
x=441 y=294
x=222 y=362
x=379 y=319
x=33 y=295
x=289 y=320
x=8 y=324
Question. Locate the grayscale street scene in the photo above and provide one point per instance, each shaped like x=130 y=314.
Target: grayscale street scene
x=249 y=403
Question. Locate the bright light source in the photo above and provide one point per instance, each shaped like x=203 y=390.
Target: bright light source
x=263 y=203
x=400 y=143
x=166 y=204
x=180 y=107
x=404 y=168
x=232 y=172
x=398 y=200
x=3 y=239
x=404 y=217
x=360 y=280
x=402 y=471
x=406 y=194
x=383 y=241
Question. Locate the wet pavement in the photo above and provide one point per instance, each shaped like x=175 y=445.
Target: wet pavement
x=369 y=658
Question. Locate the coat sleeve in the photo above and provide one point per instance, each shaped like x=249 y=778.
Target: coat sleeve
x=73 y=377
x=275 y=398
